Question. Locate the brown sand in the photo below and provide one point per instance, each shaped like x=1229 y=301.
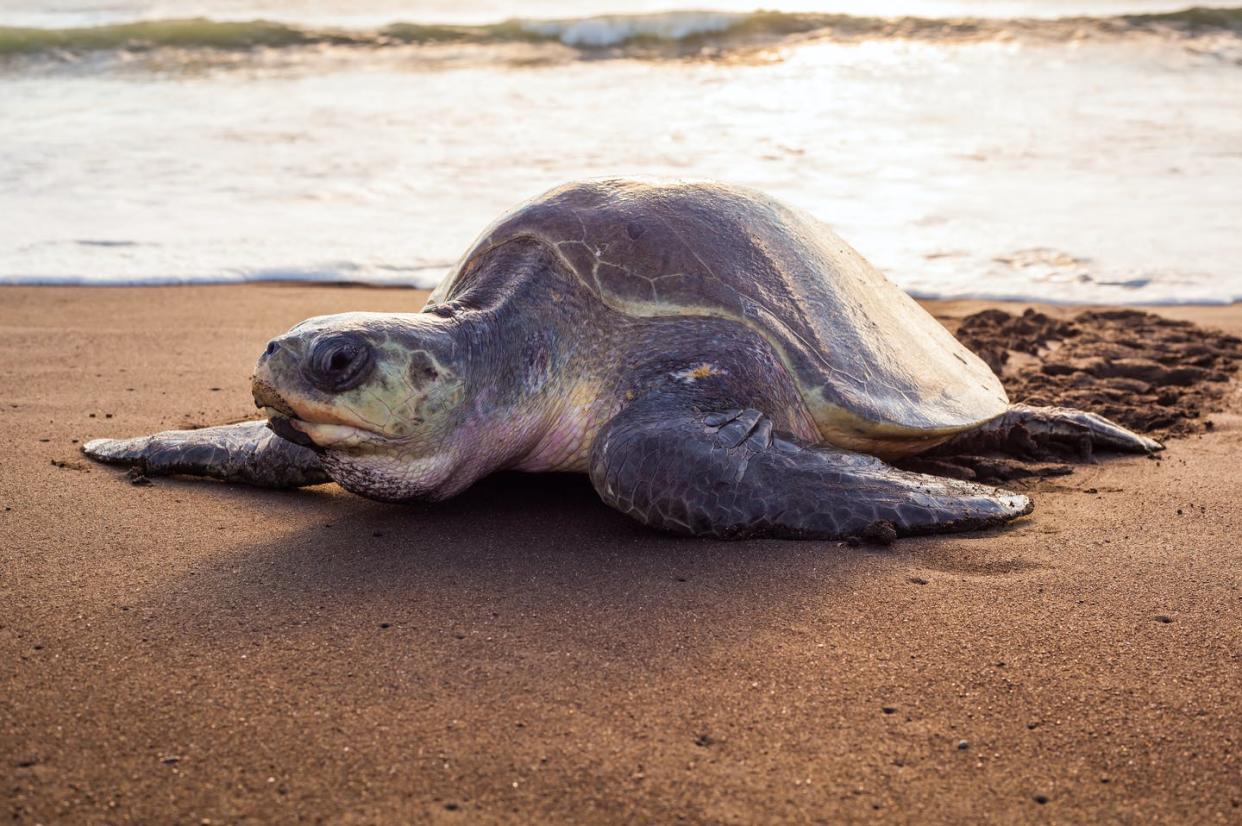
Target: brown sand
x=192 y=651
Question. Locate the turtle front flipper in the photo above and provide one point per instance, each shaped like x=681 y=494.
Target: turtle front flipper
x=725 y=473
x=248 y=452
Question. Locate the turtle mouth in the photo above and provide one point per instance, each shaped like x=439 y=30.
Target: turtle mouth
x=280 y=416
x=284 y=427
x=318 y=436
x=269 y=401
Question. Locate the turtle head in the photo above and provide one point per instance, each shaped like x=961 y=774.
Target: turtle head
x=381 y=396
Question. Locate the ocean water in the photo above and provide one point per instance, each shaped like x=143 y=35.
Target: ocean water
x=1056 y=150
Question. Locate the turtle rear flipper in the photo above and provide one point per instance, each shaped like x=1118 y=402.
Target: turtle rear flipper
x=1027 y=430
x=248 y=452
x=725 y=473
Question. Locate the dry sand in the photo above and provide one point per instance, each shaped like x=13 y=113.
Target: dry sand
x=192 y=652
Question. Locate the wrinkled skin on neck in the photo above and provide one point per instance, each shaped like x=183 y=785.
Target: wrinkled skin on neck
x=418 y=406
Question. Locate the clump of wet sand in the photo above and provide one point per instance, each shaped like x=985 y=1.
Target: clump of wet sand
x=1152 y=374
x=1155 y=375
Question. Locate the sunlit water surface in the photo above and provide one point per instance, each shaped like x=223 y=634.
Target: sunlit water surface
x=1082 y=169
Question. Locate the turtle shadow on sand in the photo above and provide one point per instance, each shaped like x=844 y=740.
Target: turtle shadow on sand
x=525 y=545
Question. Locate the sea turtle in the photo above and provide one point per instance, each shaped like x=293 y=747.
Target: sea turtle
x=719 y=363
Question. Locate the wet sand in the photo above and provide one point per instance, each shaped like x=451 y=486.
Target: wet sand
x=193 y=652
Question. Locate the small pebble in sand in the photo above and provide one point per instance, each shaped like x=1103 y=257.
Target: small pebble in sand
x=137 y=477
x=703 y=740
x=962 y=745
x=1163 y=618
x=1041 y=799
x=917 y=580
x=888 y=710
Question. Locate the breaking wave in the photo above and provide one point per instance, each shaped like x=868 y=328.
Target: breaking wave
x=670 y=34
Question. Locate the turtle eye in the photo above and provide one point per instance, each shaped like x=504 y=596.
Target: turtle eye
x=338 y=362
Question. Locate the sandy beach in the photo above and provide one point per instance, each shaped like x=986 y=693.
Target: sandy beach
x=191 y=652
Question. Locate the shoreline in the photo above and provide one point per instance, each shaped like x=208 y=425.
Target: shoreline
x=923 y=298
x=192 y=650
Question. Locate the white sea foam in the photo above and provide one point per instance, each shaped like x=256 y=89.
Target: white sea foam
x=340 y=272
x=614 y=30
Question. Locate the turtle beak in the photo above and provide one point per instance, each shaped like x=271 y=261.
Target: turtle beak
x=279 y=414
x=283 y=427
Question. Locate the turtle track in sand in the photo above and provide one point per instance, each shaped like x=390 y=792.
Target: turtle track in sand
x=1152 y=374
